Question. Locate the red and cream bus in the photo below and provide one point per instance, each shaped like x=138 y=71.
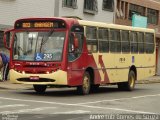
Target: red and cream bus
x=76 y=53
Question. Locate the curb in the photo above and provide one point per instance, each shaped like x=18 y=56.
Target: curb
x=10 y=88
x=149 y=80
x=7 y=85
x=4 y=88
x=152 y=81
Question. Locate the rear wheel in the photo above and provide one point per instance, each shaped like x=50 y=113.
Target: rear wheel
x=84 y=89
x=40 y=88
x=131 y=81
x=130 y=84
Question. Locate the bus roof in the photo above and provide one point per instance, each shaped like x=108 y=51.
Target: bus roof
x=114 y=26
x=92 y=23
x=18 y=23
x=47 y=18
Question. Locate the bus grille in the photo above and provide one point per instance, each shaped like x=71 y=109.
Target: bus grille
x=39 y=80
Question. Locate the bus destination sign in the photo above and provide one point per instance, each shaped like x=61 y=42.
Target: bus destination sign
x=39 y=24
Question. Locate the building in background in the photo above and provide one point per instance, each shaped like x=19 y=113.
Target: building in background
x=150 y=9
x=94 y=10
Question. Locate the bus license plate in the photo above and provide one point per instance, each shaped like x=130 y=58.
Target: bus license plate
x=34 y=78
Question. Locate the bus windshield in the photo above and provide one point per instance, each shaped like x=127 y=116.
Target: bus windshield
x=38 y=46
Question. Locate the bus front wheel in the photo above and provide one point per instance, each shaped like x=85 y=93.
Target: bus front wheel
x=84 y=89
x=130 y=84
x=40 y=88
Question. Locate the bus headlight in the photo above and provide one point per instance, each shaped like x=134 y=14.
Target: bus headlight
x=23 y=72
x=47 y=72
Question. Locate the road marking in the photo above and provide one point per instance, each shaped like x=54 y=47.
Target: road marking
x=47 y=102
x=73 y=112
x=27 y=110
x=13 y=99
x=15 y=105
x=87 y=106
x=112 y=100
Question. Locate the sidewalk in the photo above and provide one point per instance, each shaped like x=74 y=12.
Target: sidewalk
x=153 y=79
x=8 y=85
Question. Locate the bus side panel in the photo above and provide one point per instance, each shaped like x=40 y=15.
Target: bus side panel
x=148 y=67
x=105 y=64
x=77 y=68
x=122 y=63
x=75 y=72
x=141 y=66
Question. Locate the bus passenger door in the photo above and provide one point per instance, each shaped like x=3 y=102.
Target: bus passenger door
x=75 y=55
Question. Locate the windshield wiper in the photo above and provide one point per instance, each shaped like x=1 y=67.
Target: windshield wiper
x=36 y=43
x=45 y=40
x=42 y=43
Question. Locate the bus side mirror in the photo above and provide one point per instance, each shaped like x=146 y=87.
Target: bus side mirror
x=7 y=38
x=75 y=41
x=76 y=44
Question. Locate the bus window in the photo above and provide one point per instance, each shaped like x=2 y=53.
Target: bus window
x=115 y=42
x=125 y=41
x=149 y=43
x=48 y=44
x=103 y=36
x=134 y=42
x=91 y=36
x=141 y=42
x=74 y=53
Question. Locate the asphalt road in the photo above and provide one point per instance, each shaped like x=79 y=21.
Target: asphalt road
x=106 y=103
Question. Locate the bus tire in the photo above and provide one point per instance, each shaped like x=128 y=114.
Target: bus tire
x=131 y=81
x=130 y=84
x=84 y=89
x=40 y=89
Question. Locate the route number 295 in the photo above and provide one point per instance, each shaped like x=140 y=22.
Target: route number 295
x=48 y=56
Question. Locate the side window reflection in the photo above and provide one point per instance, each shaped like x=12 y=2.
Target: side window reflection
x=75 y=43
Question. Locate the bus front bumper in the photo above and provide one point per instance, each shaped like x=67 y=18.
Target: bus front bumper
x=57 y=78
